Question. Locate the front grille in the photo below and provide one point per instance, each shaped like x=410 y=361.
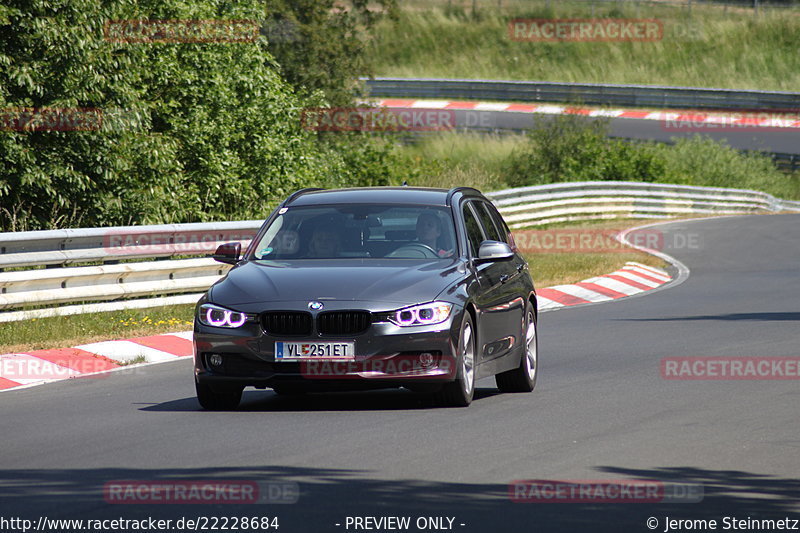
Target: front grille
x=343 y=322
x=286 y=323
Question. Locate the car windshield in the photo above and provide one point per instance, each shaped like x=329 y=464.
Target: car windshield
x=359 y=231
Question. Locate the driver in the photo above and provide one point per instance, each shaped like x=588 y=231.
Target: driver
x=429 y=229
x=324 y=243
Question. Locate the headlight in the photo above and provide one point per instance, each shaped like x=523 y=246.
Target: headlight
x=421 y=315
x=219 y=317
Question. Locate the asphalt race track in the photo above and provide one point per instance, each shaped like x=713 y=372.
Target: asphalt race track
x=782 y=140
x=601 y=411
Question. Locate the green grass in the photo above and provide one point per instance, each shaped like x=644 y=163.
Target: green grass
x=462 y=159
x=135 y=361
x=66 y=331
x=714 y=47
x=558 y=269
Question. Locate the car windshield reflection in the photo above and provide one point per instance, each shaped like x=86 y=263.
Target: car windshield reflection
x=359 y=231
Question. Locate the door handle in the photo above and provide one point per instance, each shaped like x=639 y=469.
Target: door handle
x=504 y=278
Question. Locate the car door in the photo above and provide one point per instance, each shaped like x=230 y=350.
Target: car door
x=521 y=279
x=500 y=307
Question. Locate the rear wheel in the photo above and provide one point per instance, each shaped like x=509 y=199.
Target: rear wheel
x=523 y=378
x=212 y=400
x=459 y=393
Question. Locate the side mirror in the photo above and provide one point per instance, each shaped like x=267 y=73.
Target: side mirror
x=228 y=253
x=494 y=251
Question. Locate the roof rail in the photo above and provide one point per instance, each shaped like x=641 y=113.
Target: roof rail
x=454 y=190
x=295 y=194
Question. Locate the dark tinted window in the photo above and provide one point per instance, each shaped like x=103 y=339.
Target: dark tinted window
x=488 y=224
x=358 y=230
x=474 y=234
x=500 y=223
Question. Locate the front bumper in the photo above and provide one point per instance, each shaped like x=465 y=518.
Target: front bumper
x=386 y=356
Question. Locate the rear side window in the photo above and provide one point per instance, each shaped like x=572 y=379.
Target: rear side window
x=474 y=234
x=505 y=233
x=488 y=224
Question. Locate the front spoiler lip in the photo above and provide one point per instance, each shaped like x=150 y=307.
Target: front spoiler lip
x=348 y=381
x=438 y=374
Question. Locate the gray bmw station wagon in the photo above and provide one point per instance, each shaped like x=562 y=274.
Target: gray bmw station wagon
x=370 y=288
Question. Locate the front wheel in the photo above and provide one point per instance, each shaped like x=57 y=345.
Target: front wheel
x=523 y=378
x=459 y=393
x=212 y=400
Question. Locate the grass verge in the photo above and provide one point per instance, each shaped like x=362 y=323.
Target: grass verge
x=560 y=269
x=548 y=269
x=67 y=331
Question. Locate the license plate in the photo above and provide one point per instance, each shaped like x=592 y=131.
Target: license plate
x=303 y=351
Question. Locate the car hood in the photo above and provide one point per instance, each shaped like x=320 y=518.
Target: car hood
x=366 y=280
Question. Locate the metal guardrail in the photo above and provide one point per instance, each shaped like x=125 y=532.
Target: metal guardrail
x=151 y=283
x=68 y=246
x=591 y=200
x=584 y=93
x=128 y=272
x=788 y=162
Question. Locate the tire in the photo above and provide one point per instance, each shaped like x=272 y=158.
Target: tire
x=460 y=392
x=523 y=378
x=217 y=401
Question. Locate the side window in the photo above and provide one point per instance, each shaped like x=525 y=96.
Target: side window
x=501 y=225
x=474 y=234
x=488 y=224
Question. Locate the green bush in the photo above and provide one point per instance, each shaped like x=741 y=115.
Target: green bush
x=573 y=148
x=191 y=131
x=703 y=161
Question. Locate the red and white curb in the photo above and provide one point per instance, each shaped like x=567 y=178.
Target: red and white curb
x=37 y=367
x=763 y=119
x=18 y=370
x=633 y=278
